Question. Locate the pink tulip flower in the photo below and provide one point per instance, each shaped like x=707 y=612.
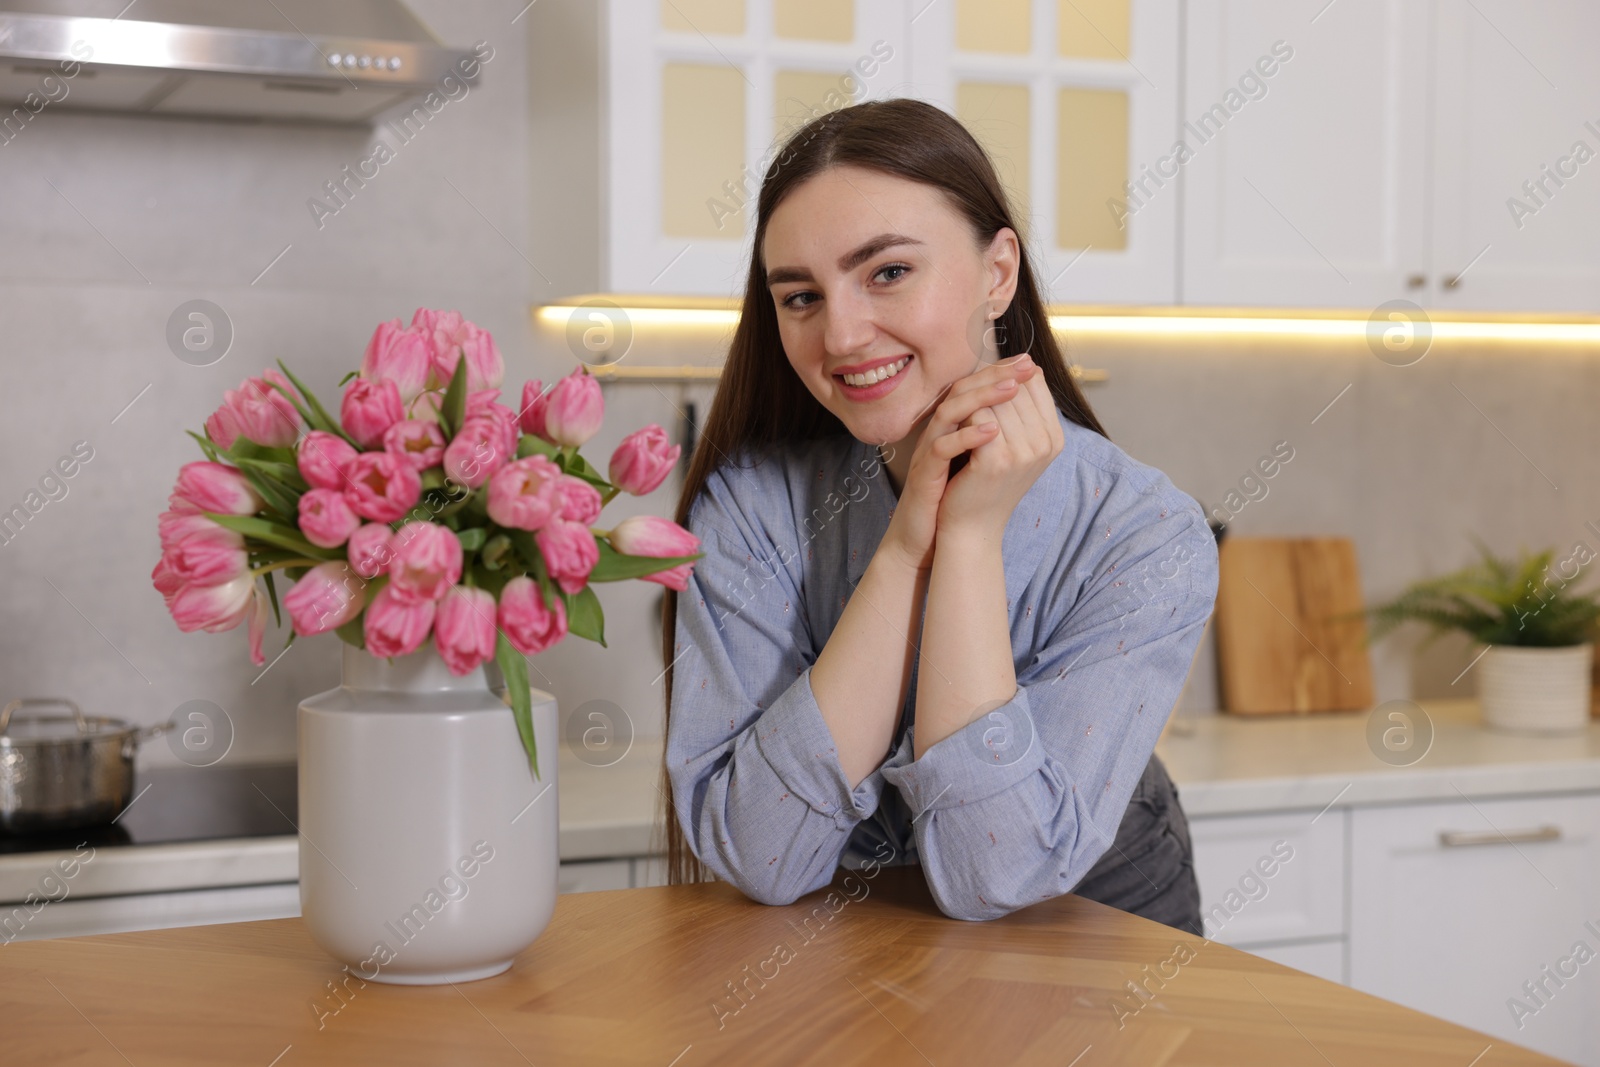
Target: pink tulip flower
x=463 y=630
x=174 y=526
x=427 y=561
x=396 y=627
x=534 y=403
x=650 y=535
x=166 y=582
x=474 y=455
x=483 y=404
x=575 y=409
x=325 y=598
x=208 y=557
x=529 y=624
x=643 y=460
x=580 y=501
x=399 y=355
x=452 y=338
x=368 y=410
x=222 y=427
x=381 y=486
x=217 y=487
x=525 y=493
x=420 y=441
x=326 y=519
x=322 y=458
x=569 y=551
x=259 y=412
x=212 y=608
x=370 y=550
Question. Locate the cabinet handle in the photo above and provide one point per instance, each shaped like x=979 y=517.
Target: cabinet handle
x=1463 y=838
x=1416 y=281
x=1452 y=281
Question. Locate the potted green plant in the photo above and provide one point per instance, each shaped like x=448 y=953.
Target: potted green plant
x=1534 y=676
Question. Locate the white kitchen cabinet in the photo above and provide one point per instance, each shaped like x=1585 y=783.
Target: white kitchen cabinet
x=698 y=95
x=1441 y=152
x=695 y=97
x=1324 y=958
x=590 y=875
x=1073 y=100
x=80 y=917
x=1454 y=906
x=1308 y=181
x=1271 y=878
x=1517 y=157
x=649 y=871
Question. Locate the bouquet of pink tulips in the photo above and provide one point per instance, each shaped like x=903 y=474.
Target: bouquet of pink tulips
x=427 y=509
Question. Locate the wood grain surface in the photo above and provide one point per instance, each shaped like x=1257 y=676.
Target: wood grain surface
x=870 y=972
x=1278 y=648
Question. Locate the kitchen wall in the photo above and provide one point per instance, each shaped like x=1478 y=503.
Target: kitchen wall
x=110 y=223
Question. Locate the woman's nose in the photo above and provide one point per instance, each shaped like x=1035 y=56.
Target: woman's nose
x=850 y=327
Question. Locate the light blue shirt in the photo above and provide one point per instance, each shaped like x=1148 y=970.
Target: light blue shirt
x=1111 y=573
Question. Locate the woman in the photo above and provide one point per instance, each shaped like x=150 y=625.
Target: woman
x=948 y=581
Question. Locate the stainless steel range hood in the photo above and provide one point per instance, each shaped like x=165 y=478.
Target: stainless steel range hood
x=305 y=60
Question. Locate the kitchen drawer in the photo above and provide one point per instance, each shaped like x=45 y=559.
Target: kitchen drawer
x=649 y=871
x=72 y=917
x=1269 y=878
x=590 y=875
x=1325 y=959
x=1475 y=911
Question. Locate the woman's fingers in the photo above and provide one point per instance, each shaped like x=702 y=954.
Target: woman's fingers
x=1045 y=402
x=964 y=439
x=967 y=396
x=1013 y=426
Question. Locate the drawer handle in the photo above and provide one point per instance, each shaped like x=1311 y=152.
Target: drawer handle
x=1463 y=838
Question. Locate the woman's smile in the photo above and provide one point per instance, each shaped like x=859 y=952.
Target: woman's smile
x=876 y=379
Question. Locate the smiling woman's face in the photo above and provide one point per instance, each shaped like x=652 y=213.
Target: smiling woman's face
x=869 y=270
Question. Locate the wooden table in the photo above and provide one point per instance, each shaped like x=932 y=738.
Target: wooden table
x=683 y=976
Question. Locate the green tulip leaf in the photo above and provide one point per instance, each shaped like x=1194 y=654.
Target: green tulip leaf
x=454 y=410
x=614 y=566
x=515 y=669
x=584 y=616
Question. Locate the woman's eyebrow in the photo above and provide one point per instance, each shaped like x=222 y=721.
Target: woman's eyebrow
x=847 y=262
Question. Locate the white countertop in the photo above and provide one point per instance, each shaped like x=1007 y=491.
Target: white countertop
x=1236 y=764
x=605 y=812
x=1222 y=764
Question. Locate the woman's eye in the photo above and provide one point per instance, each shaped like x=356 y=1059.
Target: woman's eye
x=892 y=266
x=790 y=300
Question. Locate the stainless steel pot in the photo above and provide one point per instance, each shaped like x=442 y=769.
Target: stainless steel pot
x=59 y=771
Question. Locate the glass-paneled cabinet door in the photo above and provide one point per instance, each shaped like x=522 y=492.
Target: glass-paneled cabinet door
x=701 y=94
x=1076 y=101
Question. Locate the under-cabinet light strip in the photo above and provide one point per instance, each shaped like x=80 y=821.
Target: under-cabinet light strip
x=556 y=315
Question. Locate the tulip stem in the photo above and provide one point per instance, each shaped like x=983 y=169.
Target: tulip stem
x=281 y=564
x=609 y=495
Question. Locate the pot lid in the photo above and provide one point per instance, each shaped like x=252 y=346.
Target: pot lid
x=17 y=725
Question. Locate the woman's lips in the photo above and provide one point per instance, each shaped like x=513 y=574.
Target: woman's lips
x=876 y=389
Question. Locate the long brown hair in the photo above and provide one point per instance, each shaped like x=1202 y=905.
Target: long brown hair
x=760 y=403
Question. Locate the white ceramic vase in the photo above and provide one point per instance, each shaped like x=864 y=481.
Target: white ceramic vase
x=1536 y=690
x=428 y=850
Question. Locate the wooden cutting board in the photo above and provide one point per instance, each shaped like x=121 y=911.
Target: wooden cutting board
x=1278 y=649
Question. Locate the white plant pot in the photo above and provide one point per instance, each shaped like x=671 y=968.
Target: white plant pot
x=428 y=850
x=1536 y=690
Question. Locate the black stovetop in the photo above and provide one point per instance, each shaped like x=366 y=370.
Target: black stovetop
x=178 y=804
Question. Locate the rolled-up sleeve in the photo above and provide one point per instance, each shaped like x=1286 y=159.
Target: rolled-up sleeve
x=756 y=779
x=1019 y=804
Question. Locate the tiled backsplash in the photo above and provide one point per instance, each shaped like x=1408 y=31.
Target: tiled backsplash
x=113 y=222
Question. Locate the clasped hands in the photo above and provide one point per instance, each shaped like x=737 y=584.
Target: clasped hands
x=1004 y=415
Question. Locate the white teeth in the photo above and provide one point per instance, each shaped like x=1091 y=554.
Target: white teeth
x=877 y=374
